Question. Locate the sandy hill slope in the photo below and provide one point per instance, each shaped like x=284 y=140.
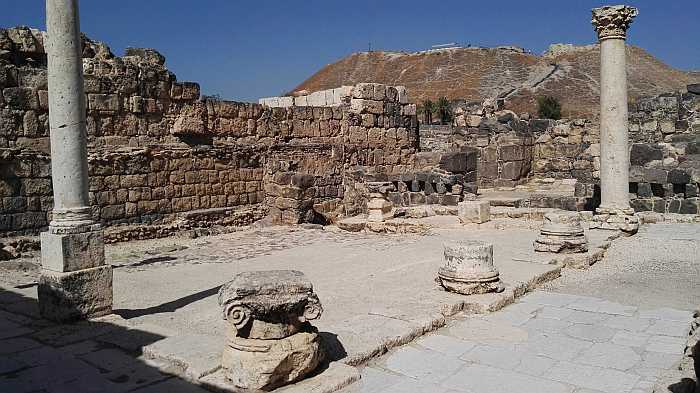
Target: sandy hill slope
x=567 y=72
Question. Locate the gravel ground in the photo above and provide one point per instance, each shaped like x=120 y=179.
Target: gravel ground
x=659 y=267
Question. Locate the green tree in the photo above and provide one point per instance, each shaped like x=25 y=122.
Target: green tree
x=428 y=109
x=444 y=110
x=548 y=107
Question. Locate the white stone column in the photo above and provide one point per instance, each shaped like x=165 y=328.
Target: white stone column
x=75 y=282
x=611 y=23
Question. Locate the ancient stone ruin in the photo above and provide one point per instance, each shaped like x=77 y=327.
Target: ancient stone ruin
x=379 y=208
x=562 y=233
x=75 y=282
x=614 y=211
x=469 y=268
x=269 y=341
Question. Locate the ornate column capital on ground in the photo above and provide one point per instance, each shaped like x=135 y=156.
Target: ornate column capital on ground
x=612 y=21
x=269 y=340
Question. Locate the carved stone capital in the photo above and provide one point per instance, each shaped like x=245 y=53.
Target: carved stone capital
x=270 y=304
x=613 y=21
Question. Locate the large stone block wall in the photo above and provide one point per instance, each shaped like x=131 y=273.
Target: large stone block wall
x=133 y=186
x=504 y=147
x=163 y=135
x=664 y=154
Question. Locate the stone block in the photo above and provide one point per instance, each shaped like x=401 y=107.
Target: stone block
x=82 y=294
x=642 y=153
x=104 y=102
x=653 y=175
x=474 y=211
x=688 y=206
x=367 y=106
x=72 y=252
x=642 y=205
x=644 y=190
x=511 y=170
x=678 y=176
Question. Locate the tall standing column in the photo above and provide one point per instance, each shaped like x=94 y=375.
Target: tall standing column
x=75 y=282
x=611 y=23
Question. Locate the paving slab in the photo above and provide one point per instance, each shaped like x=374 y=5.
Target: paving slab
x=378 y=291
x=556 y=348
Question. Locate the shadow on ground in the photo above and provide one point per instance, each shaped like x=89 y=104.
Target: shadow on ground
x=169 y=306
x=89 y=356
x=37 y=355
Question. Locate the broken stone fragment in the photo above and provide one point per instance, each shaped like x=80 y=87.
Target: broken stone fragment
x=270 y=342
x=379 y=208
x=469 y=268
x=562 y=233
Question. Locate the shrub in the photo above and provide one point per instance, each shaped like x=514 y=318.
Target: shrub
x=444 y=110
x=548 y=108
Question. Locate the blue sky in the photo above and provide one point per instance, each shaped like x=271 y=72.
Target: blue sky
x=249 y=49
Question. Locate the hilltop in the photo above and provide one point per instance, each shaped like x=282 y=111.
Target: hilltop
x=570 y=73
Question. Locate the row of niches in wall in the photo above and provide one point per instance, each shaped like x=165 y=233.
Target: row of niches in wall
x=667 y=190
x=661 y=205
x=406 y=199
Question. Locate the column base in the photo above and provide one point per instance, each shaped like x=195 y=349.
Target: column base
x=379 y=210
x=265 y=365
x=67 y=252
x=623 y=220
x=71 y=296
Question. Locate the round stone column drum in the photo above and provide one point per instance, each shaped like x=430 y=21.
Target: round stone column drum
x=562 y=233
x=469 y=268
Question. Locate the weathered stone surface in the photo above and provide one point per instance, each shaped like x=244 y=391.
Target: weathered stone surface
x=469 y=268
x=476 y=211
x=615 y=219
x=270 y=304
x=72 y=252
x=267 y=364
x=269 y=340
x=562 y=233
x=81 y=294
x=379 y=208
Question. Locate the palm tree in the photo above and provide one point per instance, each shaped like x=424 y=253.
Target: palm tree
x=444 y=110
x=428 y=109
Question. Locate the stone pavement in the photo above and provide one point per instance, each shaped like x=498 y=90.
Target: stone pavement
x=94 y=356
x=544 y=343
x=378 y=292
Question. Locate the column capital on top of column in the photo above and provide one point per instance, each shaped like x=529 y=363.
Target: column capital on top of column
x=613 y=21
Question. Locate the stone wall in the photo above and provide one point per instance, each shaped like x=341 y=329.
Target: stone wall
x=133 y=185
x=158 y=150
x=664 y=153
x=504 y=143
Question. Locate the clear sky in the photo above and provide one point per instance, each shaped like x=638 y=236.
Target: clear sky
x=247 y=49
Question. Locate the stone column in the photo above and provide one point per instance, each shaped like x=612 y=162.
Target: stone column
x=611 y=23
x=75 y=283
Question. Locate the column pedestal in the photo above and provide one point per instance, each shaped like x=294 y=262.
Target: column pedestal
x=75 y=282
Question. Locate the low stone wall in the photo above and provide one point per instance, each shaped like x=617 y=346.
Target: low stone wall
x=131 y=186
x=665 y=178
x=331 y=97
